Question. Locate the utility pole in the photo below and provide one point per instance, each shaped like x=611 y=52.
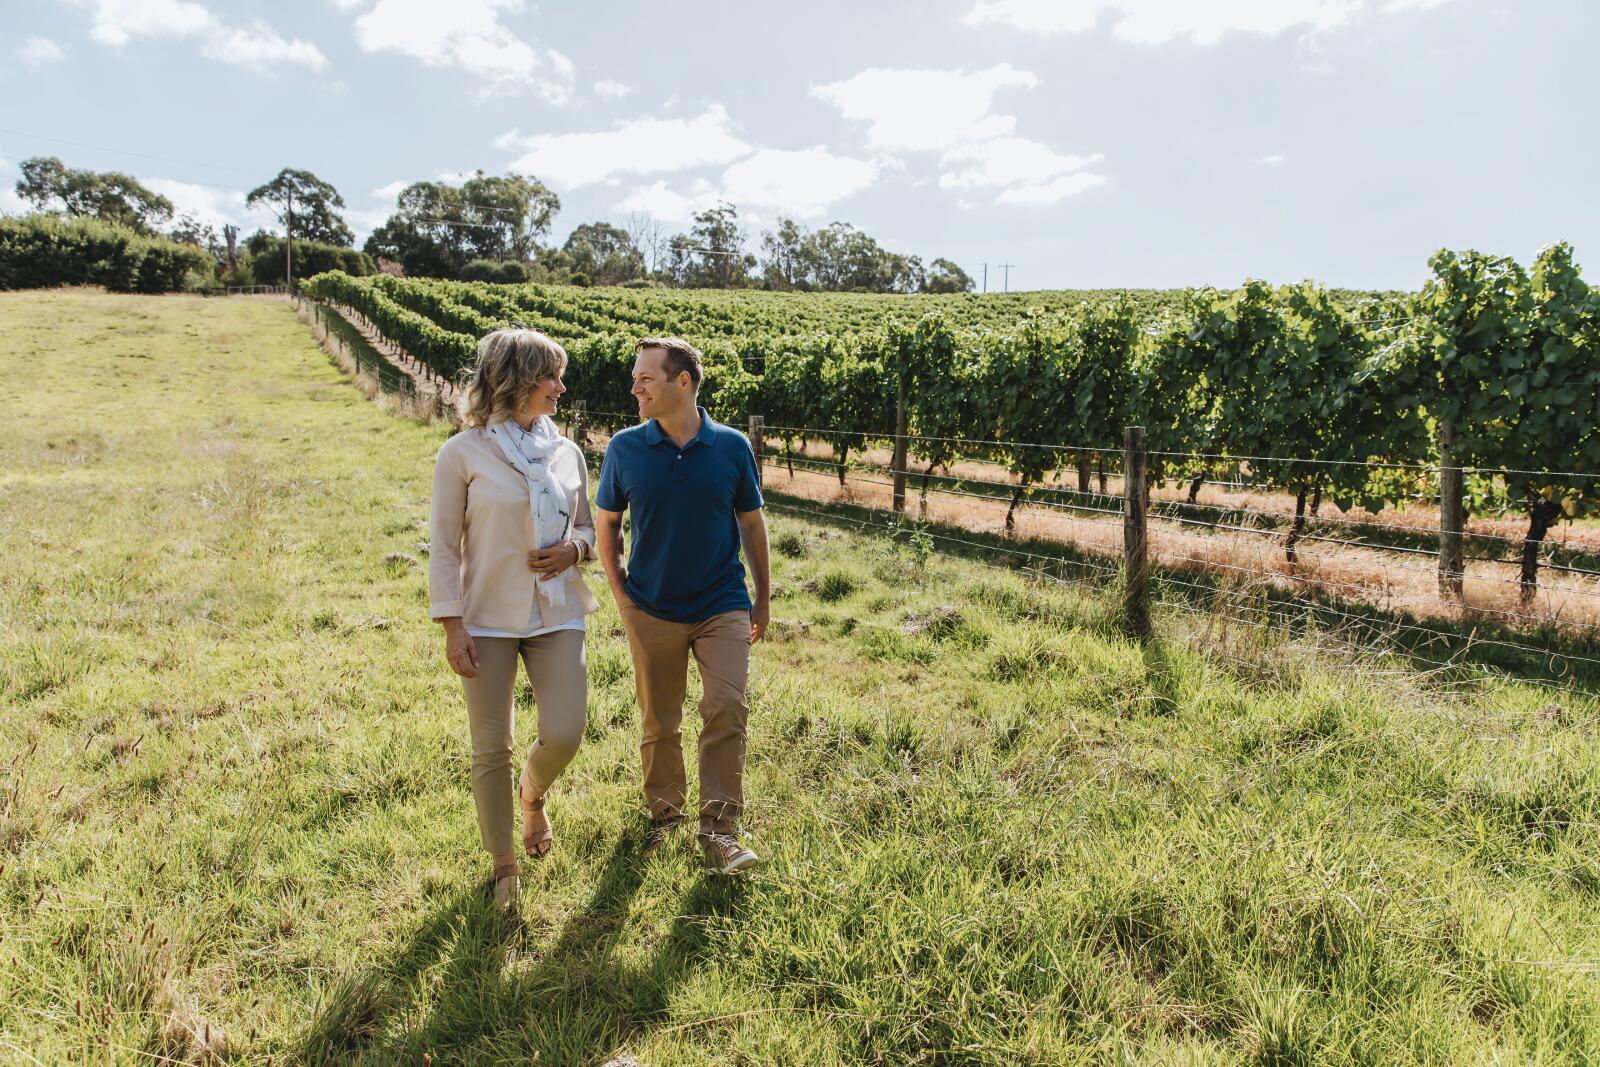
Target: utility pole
x=986 y=277
x=1007 y=268
x=288 y=240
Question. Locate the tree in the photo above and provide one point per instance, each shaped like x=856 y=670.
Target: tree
x=307 y=205
x=230 y=236
x=604 y=252
x=438 y=228
x=945 y=277
x=649 y=236
x=711 y=255
x=836 y=258
x=785 y=266
x=190 y=229
x=50 y=186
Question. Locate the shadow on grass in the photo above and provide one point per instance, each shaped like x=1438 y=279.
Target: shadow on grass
x=472 y=985
x=1465 y=649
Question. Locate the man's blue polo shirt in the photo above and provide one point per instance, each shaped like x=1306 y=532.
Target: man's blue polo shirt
x=684 y=562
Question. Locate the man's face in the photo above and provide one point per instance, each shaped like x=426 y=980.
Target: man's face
x=657 y=393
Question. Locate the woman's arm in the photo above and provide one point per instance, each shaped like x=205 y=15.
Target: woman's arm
x=446 y=518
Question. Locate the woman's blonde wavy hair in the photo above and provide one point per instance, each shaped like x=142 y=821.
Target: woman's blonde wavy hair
x=510 y=362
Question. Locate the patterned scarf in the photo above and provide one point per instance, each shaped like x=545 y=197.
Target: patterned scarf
x=530 y=451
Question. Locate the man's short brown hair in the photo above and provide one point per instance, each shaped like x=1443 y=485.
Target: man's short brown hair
x=681 y=356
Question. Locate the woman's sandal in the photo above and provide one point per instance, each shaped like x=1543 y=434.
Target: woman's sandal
x=536 y=841
x=505 y=886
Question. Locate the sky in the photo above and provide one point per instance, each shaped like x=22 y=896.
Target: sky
x=1087 y=143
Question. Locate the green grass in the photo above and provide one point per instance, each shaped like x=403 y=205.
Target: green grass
x=235 y=824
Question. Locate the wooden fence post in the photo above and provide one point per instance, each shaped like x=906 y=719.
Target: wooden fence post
x=757 y=431
x=580 y=429
x=1451 y=513
x=901 y=421
x=1135 y=536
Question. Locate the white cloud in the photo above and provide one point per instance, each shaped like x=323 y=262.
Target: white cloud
x=1271 y=161
x=391 y=191
x=610 y=89
x=116 y=22
x=256 y=45
x=211 y=204
x=259 y=46
x=10 y=202
x=803 y=183
x=642 y=146
x=466 y=34
x=1007 y=162
x=951 y=112
x=1052 y=191
x=659 y=201
x=364 y=221
x=1154 y=22
x=39 y=51
x=926 y=110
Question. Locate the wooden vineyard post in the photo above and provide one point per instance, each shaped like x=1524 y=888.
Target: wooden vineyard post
x=757 y=429
x=1451 y=514
x=579 y=429
x=1135 y=536
x=900 y=428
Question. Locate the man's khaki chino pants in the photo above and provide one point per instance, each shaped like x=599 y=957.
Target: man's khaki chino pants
x=661 y=650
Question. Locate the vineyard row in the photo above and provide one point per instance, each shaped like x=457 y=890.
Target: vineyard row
x=1481 y=391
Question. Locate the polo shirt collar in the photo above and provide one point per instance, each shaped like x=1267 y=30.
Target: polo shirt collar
x=654 y=436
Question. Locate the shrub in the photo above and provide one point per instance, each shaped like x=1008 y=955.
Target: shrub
x=38 y=251
x=310 y=258
x=504 y=272
x=836 y=585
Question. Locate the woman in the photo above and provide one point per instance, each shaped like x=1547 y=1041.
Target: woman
x=510 y=523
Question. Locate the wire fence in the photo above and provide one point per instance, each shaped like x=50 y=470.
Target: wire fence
x=1251 y=553
x=347 y=335
x=1368 y=576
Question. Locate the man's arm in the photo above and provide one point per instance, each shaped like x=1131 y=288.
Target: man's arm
x=608 y=544
x=753 y=533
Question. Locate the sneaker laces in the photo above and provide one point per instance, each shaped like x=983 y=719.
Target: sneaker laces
x=723 y=842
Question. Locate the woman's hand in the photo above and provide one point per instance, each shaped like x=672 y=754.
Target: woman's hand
x=549 y=562
x=459 y=649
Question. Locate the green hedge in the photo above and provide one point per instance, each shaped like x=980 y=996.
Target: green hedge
x=310 y=258
x=508 y=272
x=41 y=251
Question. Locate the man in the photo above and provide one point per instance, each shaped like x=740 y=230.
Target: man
x=695 y=494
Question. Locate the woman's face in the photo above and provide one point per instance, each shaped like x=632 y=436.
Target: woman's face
x=541 y=399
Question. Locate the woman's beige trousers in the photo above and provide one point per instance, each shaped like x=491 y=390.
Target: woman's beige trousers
x=556 y=666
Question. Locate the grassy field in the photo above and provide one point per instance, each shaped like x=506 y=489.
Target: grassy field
x=235 y=824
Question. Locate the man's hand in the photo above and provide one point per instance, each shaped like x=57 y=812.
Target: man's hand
x=760 y=617
x=549 y=562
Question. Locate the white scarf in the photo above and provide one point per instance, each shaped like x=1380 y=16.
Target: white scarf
x=530 y=451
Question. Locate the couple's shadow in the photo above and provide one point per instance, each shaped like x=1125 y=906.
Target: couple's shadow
x=473 y=984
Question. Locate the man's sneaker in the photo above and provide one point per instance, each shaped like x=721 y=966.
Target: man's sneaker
x=725 y=854
x=657 y=834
